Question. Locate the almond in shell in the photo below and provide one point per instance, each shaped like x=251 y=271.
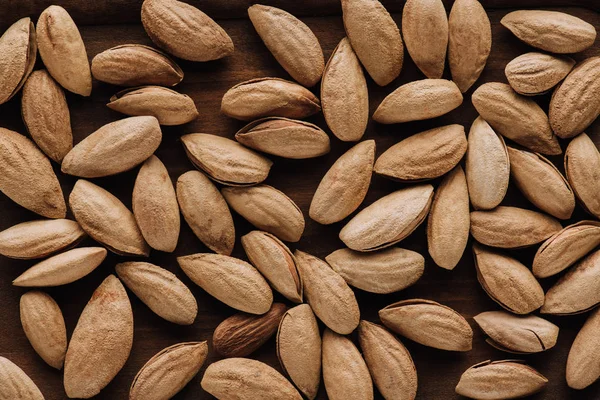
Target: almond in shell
x=16 y=384
x=536 y=73
x=582 y=167
x=19 y=49
x=582 y=368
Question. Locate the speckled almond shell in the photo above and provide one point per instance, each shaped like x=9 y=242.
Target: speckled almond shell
x=15 y=384
x=536 y=73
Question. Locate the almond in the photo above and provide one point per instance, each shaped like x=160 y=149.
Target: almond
x=582 y=167
x=536 y=73
x=19 y=49
x=15 y=384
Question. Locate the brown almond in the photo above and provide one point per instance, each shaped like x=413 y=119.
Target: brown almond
x=185 y=31
x=582 y=167
x=469 y=42
x=107 y=220
x=582 y=368
x=44 y=326
x=536 y=73
x=19 y=49
x=345 y=184
x=206 y=212
x=15 y=384
x=101 y=341
x=160 y=290
x=63 y=51
x=242 y=334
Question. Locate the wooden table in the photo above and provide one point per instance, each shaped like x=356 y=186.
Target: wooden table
x=438 y=371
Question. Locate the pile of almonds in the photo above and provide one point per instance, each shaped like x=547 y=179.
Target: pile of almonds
x=230 y=175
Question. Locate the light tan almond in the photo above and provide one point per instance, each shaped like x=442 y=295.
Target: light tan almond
x=345 y=373
x=582 y=365
x=536 y=73
x=515 y=117
x=101 y=341
x=390 y=364
x=425 y=31
x=449 y=220
x=184 y=31
x=155 y=206
x=419 y=100
x=106 y=219
x=166 y=105
x=345 y=185
x=388 y=220
x=291 y=42
x=284 y=137
x=344 y=94
x=469 y=42
x=243 y=378
x=225 y=160
x=512 y=227
x=375 y=38
x=168 y=371
x=582 y=167
x=63 y=51
x=517 y=334
x=62 y=268
x=541 y=183
x=507 y=281
x=269 y=97
x=574 y=104
x=242 y=334
x=428 y=323
x=230 y=280
x=553 y=31
x=38 y=239
x=206 y=212
x=114 y=148
x=496 y=380
x=275 y=261
x=27 y=177
x=425 y=155
x=566 y=247
x=268 y=209
x=299 y=349
x=328 y=294
x=44 y=326
x=15 y=384
x=19 y=49
x=384 y=271
x=578 y=290
x=46 y=115
x=136 y=65
x=160 y=290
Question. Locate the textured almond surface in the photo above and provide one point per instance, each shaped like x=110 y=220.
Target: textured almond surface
x=582 y=368
x=268 y=209
x=63 y=51
x=384 y=271
x=291 y=42
x=114 y=148
x=425 y=31
x=388 y=220
x=515 y=117
x=243 y=378
x=536 y=73
x=39 y=238
x=375 y=38
x=168 y=371
x=15 y=384
x=27 y=176
x=184 y=31
x=62 y=268
x=344 y=94
x=18 y=47
x=469 y=42
x=101 y=341
x=196 y=195
x=328 y=294
x=269 y=97
x=44 y=326
x=582 y=167
x=299 y=349
x=425 y=155
x=160 y=290
x=135 y=65
x=232 y=281
x=345 y=185
x=106 y=219
x=419 y=100
x=487 y=166
x=553 y=31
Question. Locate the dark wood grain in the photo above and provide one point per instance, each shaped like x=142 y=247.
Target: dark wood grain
x=438 y=371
